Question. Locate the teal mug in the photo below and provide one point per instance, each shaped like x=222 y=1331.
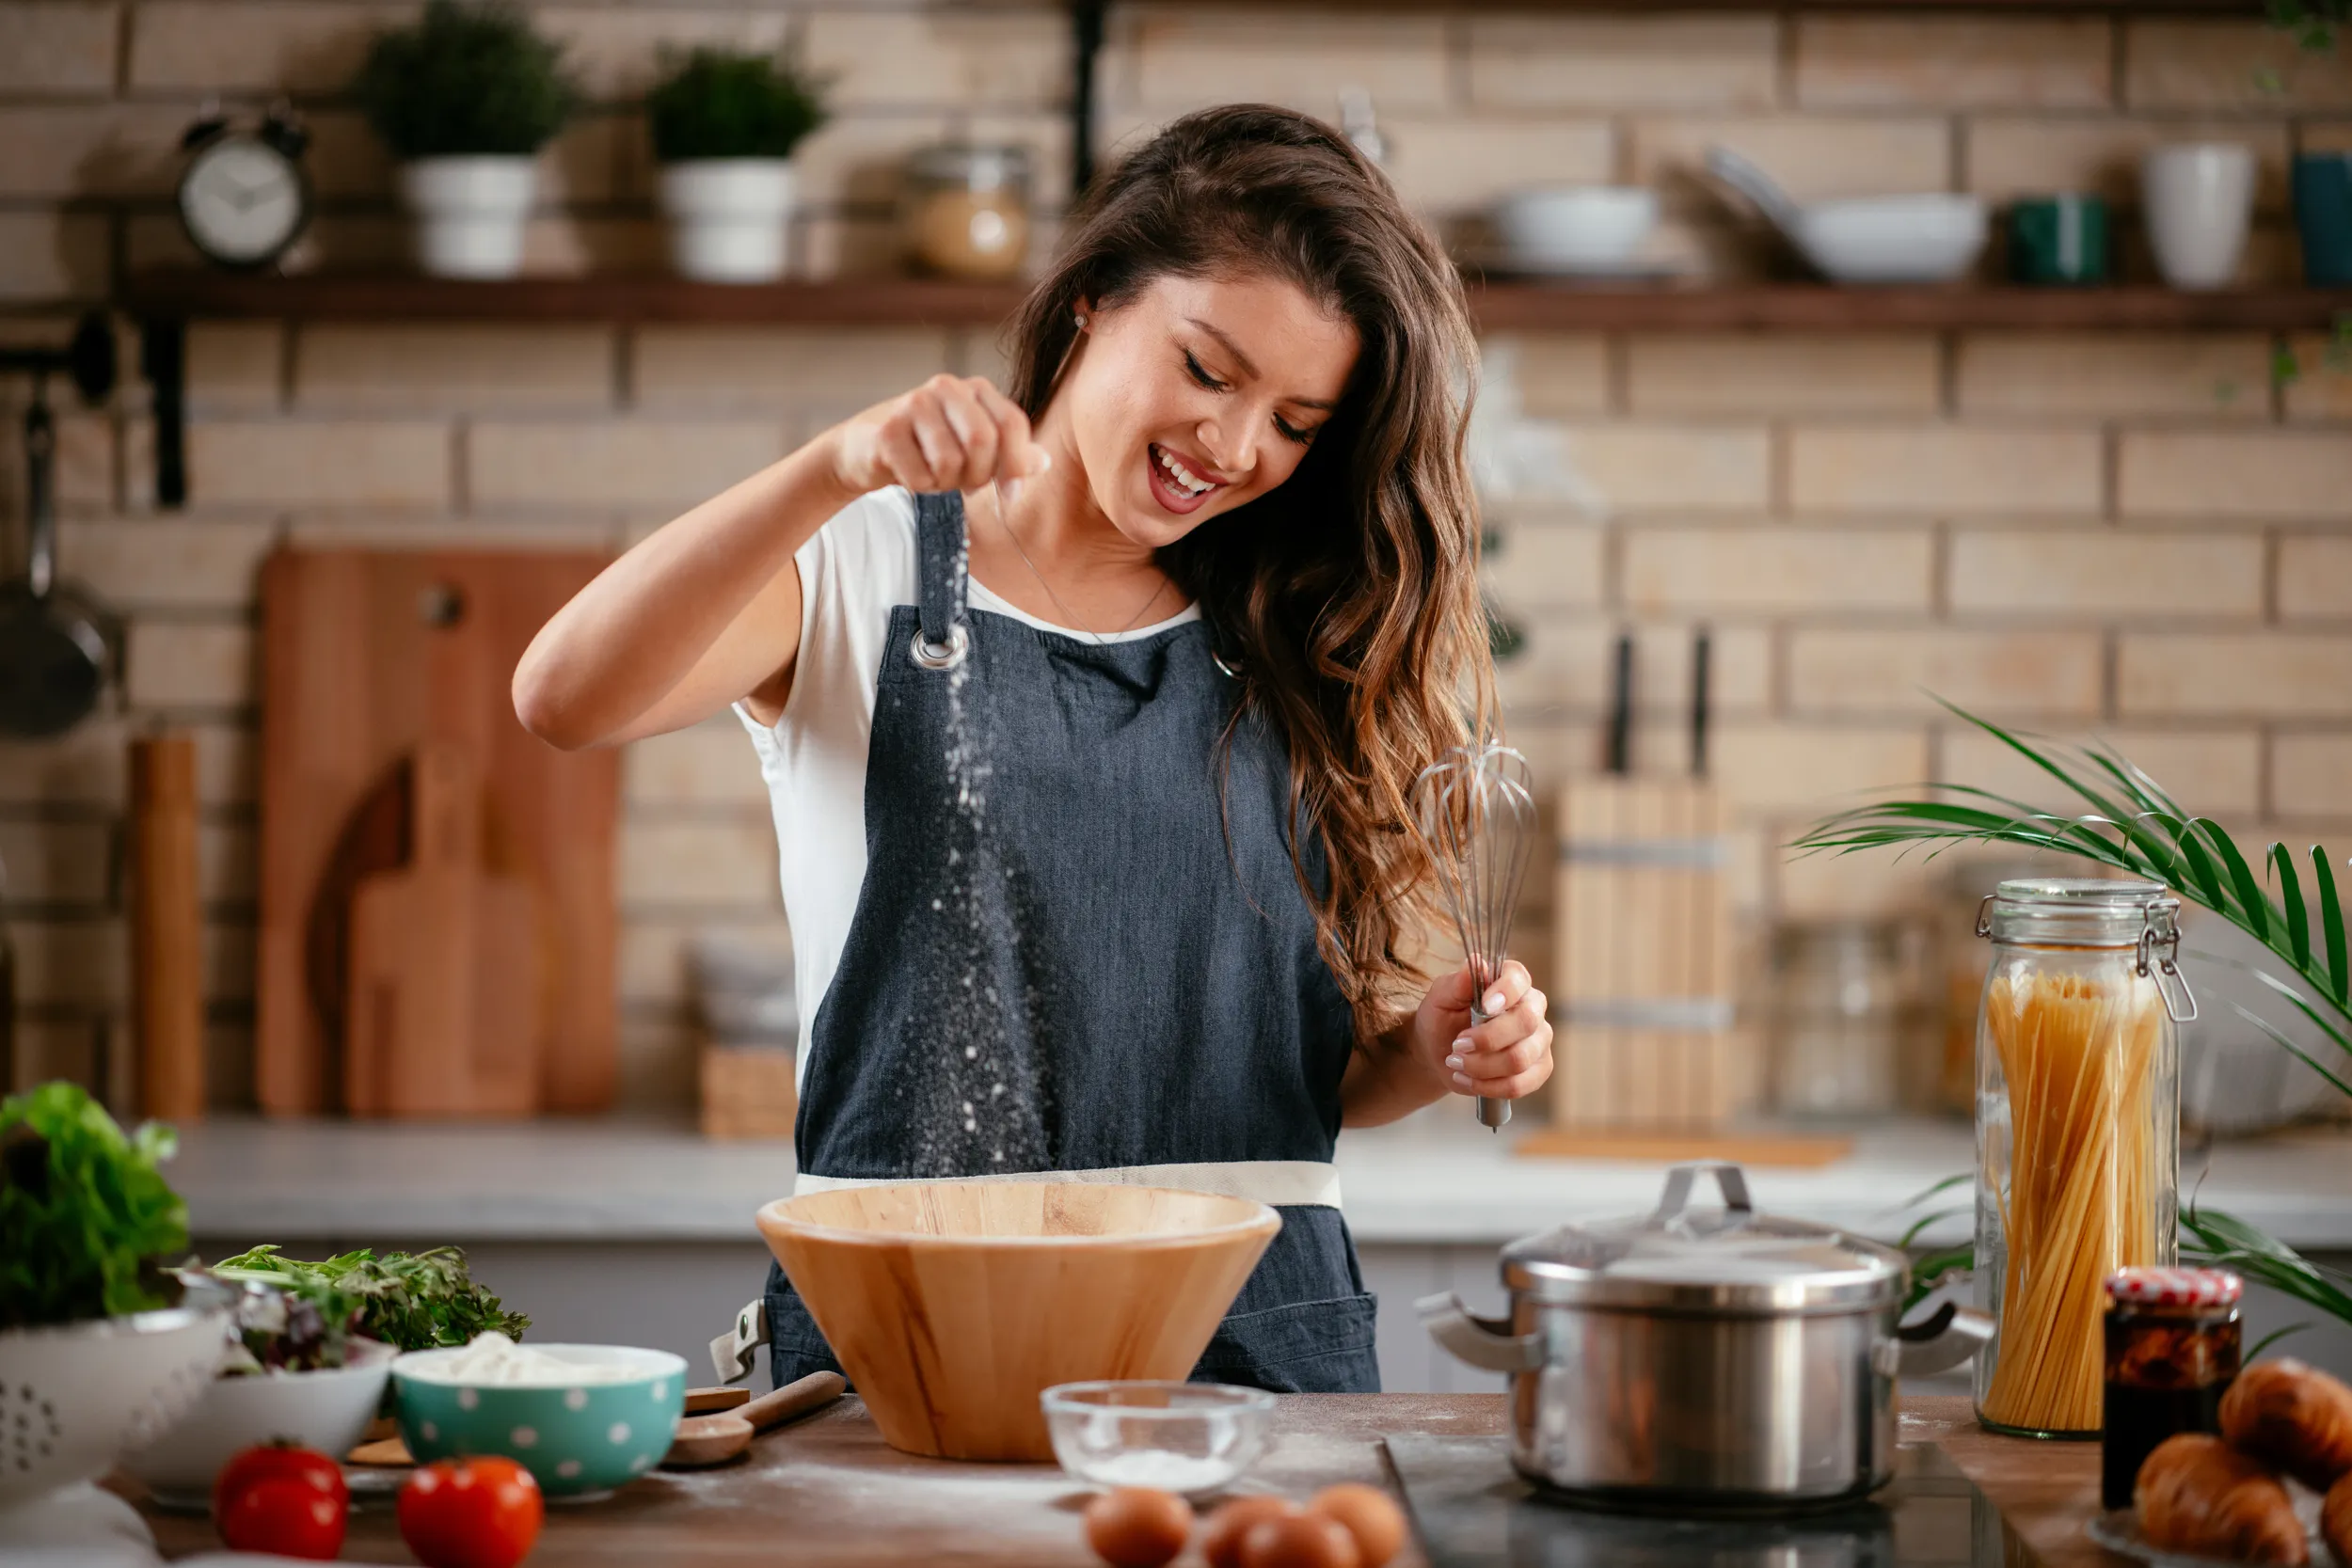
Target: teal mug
x=2058 y=239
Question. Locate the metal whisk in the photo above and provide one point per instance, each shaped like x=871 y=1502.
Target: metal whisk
x=1478 y=814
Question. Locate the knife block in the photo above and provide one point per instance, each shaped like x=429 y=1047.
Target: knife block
x=1642 y=996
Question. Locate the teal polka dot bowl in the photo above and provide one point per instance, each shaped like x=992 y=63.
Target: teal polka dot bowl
x=579 y=1440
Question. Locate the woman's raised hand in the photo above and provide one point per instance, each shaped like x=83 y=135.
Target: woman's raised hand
x=1508 y=1056
x=952 y=432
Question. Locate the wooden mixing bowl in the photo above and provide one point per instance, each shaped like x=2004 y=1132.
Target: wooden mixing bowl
x=952 y=1305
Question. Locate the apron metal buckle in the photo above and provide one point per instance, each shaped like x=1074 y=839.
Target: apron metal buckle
x=933 y=656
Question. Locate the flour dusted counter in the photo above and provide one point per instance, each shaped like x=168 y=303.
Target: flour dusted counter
x=640 y=1232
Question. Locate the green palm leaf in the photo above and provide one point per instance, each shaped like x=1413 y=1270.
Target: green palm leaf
x=2291 y=900
x=2331 y=928
x=2133 y=825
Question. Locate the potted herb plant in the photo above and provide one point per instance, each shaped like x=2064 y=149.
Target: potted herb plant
x=465 y=98
x=723 y=125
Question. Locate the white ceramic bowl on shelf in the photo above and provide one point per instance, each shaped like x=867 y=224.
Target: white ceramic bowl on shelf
x=327 y=1410
x=1568 y=229
x=1926 y=237
x=74 y=1397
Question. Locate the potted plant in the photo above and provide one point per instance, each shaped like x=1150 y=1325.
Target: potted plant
x=723 y=125
x=465 y=98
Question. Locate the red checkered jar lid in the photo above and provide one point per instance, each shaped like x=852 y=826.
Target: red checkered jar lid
x=2175 y=1287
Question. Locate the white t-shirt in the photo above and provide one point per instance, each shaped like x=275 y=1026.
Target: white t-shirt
x=856 y=569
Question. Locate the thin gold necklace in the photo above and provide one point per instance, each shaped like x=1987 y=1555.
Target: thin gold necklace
x=1004 y=521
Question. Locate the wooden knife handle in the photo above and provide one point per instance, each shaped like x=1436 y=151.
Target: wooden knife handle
x=774 y=1408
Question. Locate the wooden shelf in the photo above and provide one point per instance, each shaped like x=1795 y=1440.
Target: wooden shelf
x=188 y=293
x=1820 y=307
x=1514 y=306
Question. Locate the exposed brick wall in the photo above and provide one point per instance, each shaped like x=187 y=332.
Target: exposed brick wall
x=2135 y=534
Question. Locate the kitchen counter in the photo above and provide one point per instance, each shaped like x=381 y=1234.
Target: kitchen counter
x=1433 y=1179
x=827 y=1491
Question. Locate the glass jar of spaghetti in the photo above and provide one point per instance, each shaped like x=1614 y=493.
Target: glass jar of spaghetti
x=2078 y=1133
x=2172 y=1351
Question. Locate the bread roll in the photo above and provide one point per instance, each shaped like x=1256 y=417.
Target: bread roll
x=2335 y=1521
x=2197 y=1493
x=2294 y=1417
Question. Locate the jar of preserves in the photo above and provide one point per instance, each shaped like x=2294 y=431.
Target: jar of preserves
x=2078 y=1121
x=966 y=210
x=2173 y=1347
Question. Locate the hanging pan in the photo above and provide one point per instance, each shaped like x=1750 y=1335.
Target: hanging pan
x=54 y=643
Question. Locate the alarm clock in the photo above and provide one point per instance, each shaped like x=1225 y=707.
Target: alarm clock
x=244 y=196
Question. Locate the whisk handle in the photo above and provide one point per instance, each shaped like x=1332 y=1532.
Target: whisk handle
x=1492 y=1114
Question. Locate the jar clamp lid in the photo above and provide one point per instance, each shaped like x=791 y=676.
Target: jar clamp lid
x=2086 y=911
x=1730 y=1261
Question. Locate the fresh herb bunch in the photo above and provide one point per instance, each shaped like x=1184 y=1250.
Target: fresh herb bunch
x=86 y=1217
x=466 y=79
x=724 y=104
x=411 y=1300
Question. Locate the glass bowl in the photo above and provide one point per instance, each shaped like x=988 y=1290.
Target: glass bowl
x=1187 y=1437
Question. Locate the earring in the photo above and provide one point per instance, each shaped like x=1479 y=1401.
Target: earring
x=1081 y=319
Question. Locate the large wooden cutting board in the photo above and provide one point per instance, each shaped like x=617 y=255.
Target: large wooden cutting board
x=366 y=655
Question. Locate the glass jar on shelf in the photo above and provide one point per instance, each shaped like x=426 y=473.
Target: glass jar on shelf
x=1839 y=1017
x=965 y=211
x=2078 y=1133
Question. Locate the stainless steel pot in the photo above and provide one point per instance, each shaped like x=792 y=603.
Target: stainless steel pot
x=1704 y=1358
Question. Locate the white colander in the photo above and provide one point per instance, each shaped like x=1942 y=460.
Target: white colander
x=74 y=1396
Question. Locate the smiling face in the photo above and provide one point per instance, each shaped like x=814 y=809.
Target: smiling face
x=1199 y=395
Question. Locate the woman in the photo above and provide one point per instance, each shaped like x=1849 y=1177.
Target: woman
x=1095 y=851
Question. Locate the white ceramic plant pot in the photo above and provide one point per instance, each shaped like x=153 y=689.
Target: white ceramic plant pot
x=2200 y=199
x=470 y=213
x=728 y=217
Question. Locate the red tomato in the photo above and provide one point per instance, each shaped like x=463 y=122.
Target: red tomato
x=481 y=1513
x=280 y=1515
x=277 y=1497
x=273 y=1460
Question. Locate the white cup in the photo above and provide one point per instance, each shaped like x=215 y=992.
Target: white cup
x=2199 y=198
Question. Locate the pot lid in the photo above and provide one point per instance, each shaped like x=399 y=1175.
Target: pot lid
x=1706 y=1260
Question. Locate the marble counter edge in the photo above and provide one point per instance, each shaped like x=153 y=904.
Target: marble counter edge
x=572 y=1182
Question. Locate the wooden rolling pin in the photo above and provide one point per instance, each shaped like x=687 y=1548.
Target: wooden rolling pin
x=167 y=929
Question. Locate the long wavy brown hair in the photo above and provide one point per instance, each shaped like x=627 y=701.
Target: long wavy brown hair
x=1348 y=597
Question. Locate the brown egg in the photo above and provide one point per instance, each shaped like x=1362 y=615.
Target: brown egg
x=1138 y=1527
x=1221 y=1541
x=1369 y=1515
x=1299 y=1541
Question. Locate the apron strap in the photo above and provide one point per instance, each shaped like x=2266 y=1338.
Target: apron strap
x=943 y=570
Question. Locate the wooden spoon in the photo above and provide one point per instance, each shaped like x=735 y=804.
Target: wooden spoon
x=706 y=1440
x=774 y=1408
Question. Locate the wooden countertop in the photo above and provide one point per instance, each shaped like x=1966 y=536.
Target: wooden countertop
x=827 y=1491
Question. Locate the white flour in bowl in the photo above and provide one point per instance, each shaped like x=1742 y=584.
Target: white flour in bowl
x=490 y=1359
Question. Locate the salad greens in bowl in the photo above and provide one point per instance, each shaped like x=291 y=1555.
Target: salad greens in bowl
x=100 y=1349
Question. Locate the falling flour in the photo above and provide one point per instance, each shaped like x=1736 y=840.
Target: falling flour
x=984 y=1103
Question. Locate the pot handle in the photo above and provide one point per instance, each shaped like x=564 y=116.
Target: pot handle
x=1729 y=1180
x=1936 y=1343
x=1482 y=1342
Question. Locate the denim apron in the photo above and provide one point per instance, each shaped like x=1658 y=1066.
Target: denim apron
x=1080 y=947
